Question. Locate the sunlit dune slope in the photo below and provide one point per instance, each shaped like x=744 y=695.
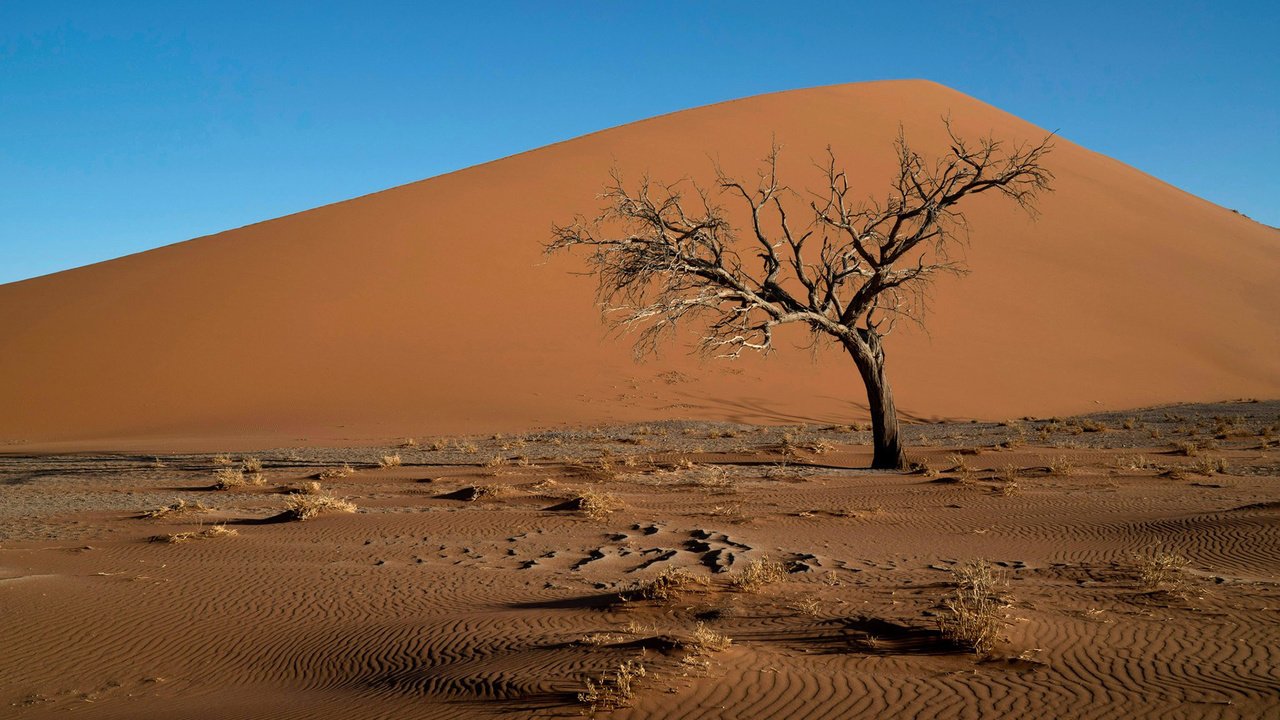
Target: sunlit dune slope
x=429 y=308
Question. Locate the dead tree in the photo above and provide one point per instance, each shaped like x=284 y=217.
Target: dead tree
x=849 y=273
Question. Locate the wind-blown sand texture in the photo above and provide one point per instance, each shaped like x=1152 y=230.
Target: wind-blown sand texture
x=467 y=585
x=429 y=308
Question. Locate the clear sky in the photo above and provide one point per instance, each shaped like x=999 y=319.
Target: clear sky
x=129 y=125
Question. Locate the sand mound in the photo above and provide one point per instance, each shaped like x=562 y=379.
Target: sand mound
x=429 y=308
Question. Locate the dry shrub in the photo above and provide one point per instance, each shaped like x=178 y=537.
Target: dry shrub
x=922 y=468
x=251 y=464
x=409 y=443
x=757 y=574
x=496 y=461
x=335 y=473
x=705 y=640
x=614 y=689
x=1209 y=466
x=1185 y=447
x=305 y=507
x=714 y=477
x=1157 y=567
x=215 y=531
x=1060 y=466
x=971 y=617
x=222 y=460
x=179 y=507
x=666 y=585
x=1088 y=425
x=310 y=487
x=596 y=505
x=468 y=447
x=1008 y=488
x=483 y=492
x=958 y=464
x=229 y=478
x=389 y=461
x=1135 y=462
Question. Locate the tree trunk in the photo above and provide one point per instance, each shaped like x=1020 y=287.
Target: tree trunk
x=868 y=355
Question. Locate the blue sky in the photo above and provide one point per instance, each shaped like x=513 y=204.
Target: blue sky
x=129 y=125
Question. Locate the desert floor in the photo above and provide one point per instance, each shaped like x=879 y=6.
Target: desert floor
x=1134 y=560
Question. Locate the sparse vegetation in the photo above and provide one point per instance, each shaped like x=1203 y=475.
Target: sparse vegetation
x=666 y=585
x=305 y=507
x=596 y=505
x=757 y=574
x=972 y=616
x=215 y=531
x=175 y=509
x=335 y=473
x=1158 y=568
x=1060 y=466
x=229 y=479
x=389 y=461
x=251 y=464
x=705 y=640
x=614 y=689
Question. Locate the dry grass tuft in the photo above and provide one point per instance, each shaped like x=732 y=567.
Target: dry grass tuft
x=971 y=616
x=305 y=507
x=704 y=640
x=389 y=461
x=1209 y=466
x=1060 y=466
x=251 y=464
x=175 y=509
x=757 y=574
x=222 y=460
x=215 y=531
x=1157 y=567
x=614 y=689
x=311 y=487
x=409 y=443
x=596 y=505
x=231 y=478
x=666 y=585
x=1185 y=447
x=335 y=473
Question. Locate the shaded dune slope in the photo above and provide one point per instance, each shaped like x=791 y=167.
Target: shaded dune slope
x=429 y=308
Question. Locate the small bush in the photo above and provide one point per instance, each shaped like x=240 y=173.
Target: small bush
x=705 y=640
x=335 y=473
x=596 y=505
x=971 y=617
x=389 y=461
x=180 y=507
x=1158 y=567
x=251 y=465
x=1060 y=466
x=666 y=585
x=305 y=507
x=209 y=533
x=229 y=478
x=614 y=689
x=757 y=574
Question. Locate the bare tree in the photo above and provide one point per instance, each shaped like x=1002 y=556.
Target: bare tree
x=850 y=273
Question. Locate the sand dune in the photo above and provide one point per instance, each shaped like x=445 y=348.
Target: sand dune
x=430 y=308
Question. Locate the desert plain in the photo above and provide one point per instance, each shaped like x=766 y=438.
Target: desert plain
x=380 y=460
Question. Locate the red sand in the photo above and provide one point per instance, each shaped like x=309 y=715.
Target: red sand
x=429 y=308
